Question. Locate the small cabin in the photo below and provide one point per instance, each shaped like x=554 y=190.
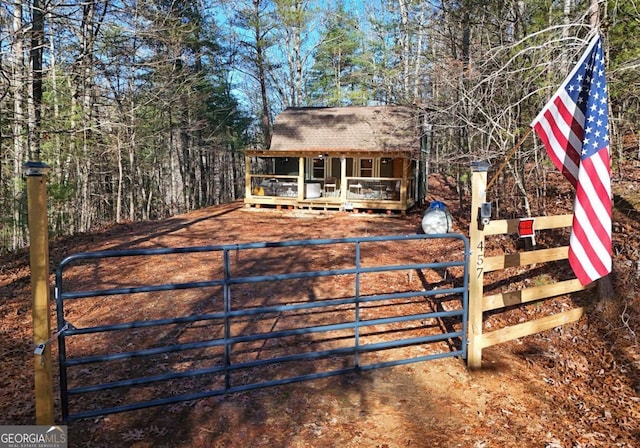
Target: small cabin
x=343 y=158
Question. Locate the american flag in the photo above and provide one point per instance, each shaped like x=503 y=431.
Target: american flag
x=574 y=127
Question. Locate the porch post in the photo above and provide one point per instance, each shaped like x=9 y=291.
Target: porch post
x=405 y=181
x=247 y=177
x=301 y=179
x=343 y=180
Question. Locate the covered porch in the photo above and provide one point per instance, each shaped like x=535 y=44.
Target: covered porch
x=331 y=181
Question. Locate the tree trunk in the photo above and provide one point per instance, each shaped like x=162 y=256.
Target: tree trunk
x=262 y=77
x=35 y=99
x=404 y=45
x=17 y=79
x=119 y=184
x=86 y=70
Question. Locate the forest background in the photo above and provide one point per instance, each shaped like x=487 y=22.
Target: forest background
x=142 y=108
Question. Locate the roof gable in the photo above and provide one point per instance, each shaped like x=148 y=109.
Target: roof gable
x=346 y=129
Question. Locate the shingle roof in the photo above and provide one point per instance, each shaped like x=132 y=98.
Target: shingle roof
x=347 y=129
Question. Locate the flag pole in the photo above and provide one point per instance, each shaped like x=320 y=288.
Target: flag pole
x=508 y=157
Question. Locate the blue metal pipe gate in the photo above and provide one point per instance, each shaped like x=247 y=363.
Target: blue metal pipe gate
x=233 y=336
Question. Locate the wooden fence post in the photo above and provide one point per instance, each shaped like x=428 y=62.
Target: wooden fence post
x=39 y=263
x=476 y=265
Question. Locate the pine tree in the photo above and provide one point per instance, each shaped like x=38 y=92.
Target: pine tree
x=336 y=78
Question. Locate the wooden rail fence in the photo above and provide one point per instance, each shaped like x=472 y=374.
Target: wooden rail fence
x=479 y=264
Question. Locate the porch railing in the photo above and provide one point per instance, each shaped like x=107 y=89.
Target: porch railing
x=357 y=188
x=274 y=185
x=372 y=188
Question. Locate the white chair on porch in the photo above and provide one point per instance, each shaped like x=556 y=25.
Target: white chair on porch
x=330 y=186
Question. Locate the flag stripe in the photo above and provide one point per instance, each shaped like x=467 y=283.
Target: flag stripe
x=597 y=248
x=581 y=269
x=545 y=131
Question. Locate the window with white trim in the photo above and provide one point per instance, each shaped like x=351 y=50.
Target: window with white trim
x=318 y=168
x=366 y=167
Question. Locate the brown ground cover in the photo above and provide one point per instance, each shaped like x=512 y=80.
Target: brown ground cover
x=575 y=386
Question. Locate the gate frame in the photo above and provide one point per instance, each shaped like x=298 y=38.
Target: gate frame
x=65 y=329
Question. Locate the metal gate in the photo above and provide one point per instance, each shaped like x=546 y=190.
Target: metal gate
x=213 y=320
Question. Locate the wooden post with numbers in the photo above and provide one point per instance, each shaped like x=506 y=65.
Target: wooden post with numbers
x=476 y=265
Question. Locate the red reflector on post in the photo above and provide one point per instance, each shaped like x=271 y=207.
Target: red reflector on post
x=526 y=228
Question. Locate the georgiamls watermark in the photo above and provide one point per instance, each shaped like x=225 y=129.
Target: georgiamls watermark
x=33 y=437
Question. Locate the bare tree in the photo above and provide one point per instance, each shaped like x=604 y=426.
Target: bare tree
x=18 y=84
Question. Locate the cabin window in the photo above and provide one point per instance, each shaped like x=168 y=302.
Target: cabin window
x=366 y=167
x=318 y=170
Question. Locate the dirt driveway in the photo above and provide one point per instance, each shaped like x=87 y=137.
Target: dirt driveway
x=562 y=388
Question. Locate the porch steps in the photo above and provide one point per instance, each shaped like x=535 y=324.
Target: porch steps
x=314 y=204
